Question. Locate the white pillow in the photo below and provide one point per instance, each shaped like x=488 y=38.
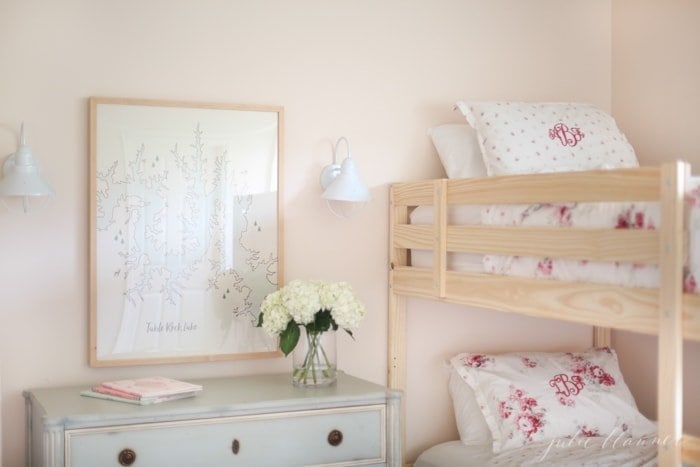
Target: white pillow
x=471 y=423
x=532 y=397
x=522 y=137
x=458 y=149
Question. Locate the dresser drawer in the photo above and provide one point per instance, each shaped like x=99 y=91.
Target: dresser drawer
x=347 y=436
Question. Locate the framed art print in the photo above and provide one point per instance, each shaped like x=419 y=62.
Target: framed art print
x=185 y=230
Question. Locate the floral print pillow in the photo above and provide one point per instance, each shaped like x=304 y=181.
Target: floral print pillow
x=534 y=397
x=527 y=137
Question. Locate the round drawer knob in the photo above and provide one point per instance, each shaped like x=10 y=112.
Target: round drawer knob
x=235 y=446
x=127 y=456
x=335 y=437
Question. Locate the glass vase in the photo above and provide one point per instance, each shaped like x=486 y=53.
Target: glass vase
x=314 y=359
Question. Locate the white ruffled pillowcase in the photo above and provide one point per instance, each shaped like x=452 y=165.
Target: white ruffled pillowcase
x=471 y=424
x=458 y=148
x=522 y=137
x=512 y=400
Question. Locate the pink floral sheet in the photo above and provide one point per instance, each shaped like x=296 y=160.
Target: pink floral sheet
x=642 y=215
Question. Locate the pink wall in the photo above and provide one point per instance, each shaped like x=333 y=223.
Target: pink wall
x=656 y=100
x=379 y=73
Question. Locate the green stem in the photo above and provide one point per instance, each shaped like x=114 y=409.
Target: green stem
x=312 y=360
x=313 y=349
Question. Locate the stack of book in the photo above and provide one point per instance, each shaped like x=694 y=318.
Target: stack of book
x=143 y=391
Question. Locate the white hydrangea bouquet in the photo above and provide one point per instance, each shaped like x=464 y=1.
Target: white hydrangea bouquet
x=319 y=307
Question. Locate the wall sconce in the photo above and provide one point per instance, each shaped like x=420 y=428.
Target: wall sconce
x=22 y=180
x=344 y=191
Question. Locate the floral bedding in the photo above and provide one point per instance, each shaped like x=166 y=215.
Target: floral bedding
x=592 y=215
x=538 y=396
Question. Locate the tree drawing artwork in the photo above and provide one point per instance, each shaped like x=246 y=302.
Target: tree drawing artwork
x=190 y=238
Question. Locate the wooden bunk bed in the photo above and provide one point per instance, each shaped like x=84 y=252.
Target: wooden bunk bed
x=665 y=310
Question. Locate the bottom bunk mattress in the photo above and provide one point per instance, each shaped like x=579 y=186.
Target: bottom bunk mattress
x=586 y=452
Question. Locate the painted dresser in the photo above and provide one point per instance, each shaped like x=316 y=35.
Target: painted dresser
x=253 y=421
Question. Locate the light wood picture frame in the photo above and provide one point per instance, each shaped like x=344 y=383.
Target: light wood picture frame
x=185 y=230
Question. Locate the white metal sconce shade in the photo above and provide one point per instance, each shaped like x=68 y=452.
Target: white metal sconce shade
x=342 y=182
x=22 y=176
x=347 y=185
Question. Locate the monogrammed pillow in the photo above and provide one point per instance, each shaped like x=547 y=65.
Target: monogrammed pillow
x=521 y=137
x=531 y=397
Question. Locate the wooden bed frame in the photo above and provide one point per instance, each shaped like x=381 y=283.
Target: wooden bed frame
x=665 y=311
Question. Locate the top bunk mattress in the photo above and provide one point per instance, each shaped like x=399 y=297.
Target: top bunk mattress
x=640 y=215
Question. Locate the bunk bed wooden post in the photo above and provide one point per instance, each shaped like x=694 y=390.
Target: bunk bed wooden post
x=602 y=337
x=397 y=330
x=396 y=368
x=397 y=306
x=670 y=356
x=397 y=365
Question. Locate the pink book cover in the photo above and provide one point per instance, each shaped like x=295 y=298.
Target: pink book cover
x=114 y=392
x=152 y=386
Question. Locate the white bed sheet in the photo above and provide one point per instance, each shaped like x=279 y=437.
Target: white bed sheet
x=586 y=452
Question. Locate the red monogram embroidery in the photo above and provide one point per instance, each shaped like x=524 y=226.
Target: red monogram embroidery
x=566 y=386
x=567 y=136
